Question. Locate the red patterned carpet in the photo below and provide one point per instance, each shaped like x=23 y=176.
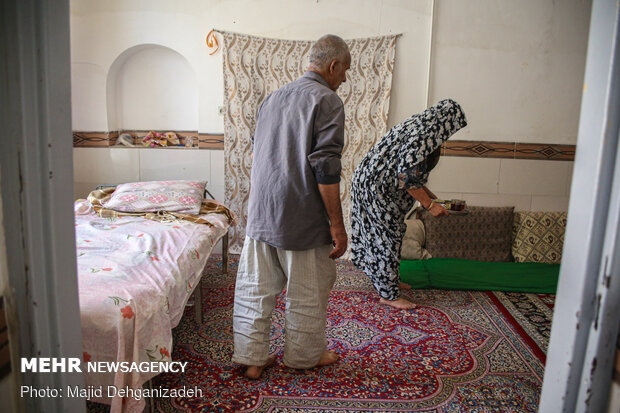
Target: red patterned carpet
x=460 y=351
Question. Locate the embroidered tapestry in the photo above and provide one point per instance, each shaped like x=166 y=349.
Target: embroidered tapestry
x=254 y=67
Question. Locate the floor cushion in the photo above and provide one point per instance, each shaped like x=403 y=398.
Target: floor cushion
x=457 y=274
x=485 y=234
x=538 y=237
x=412 y=247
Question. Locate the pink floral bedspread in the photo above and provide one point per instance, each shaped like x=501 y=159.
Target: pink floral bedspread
x=135 y=276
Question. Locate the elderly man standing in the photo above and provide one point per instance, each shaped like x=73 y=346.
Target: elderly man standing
x=295 y=228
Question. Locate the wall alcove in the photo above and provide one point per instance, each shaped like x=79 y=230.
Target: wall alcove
x=152 y=87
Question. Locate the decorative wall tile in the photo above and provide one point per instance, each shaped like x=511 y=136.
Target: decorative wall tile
x=545 y=151
x=510 y=150
x=100 y=139
x=211 y=141
x=91 y=139
x=479 y=149
x=471 y=149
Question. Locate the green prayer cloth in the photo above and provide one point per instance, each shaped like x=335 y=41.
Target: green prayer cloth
x=455 y=274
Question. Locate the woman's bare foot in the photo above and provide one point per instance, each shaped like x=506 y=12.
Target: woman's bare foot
x=254 y=372
x=404 y=286
x=328 y=357
x=400 y=303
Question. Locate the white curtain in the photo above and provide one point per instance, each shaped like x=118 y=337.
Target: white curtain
x=256 y=66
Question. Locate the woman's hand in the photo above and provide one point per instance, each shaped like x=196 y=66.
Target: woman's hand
x=423 y=196
x=430 y=193
x=437 y=210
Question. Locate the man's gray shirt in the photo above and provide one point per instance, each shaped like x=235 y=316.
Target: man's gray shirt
x=297 y=145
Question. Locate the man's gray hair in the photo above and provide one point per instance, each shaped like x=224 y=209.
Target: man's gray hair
x=327 y=48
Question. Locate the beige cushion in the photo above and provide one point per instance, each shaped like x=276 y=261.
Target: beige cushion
x=538 y=237
x=413 y=241
x=483 y=235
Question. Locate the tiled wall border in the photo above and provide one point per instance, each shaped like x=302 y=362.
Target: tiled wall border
x=212 y=141
x=509 y=150
x=470 y=149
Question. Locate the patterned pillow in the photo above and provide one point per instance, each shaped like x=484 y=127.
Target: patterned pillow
x=538 y=236
x=173 y=196
x=483 y=235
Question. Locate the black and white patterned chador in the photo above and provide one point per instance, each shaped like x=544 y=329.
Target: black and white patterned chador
x=379 y=198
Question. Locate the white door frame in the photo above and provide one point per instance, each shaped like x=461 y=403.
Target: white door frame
x=37 y=190
x=585 y=320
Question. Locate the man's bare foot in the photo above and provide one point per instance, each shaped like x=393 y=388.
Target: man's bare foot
x=328 y=357
x=400 y=303
x=404 y=286
x=254 y=372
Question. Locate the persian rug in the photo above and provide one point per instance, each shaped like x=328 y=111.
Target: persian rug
x=529 y=315
x=254 y=67
x=459 y=351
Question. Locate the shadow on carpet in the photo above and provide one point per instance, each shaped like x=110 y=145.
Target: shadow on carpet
x=459 y=351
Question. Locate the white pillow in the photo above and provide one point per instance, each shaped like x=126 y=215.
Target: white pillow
x=413 y=241
x=172 y=196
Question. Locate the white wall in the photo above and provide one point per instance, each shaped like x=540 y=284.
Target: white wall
x=528 y=185
x=101 y=31
x=516 y=68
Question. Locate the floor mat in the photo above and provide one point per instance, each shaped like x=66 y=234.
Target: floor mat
x=530 y=315
x=458 y=351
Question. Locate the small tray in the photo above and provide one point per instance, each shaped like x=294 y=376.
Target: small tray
x=463 y=212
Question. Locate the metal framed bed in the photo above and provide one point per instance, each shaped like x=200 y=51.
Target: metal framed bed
x=192 y=243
